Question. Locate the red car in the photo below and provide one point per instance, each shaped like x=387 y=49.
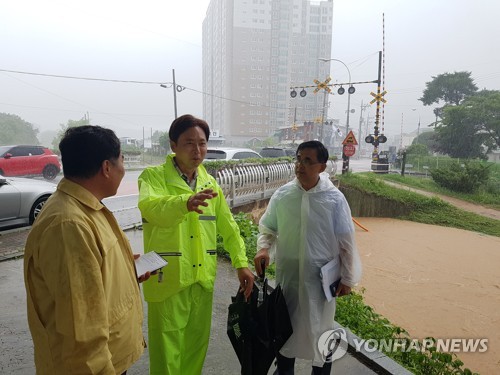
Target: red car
x=28 y=161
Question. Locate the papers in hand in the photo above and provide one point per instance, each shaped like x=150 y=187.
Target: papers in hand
x=149 y=262
x=330 y=274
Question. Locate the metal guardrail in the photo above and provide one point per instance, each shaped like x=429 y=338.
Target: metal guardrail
x=247 y=183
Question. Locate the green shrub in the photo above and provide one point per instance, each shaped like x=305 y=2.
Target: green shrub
x=248 y=231
x=363 y=321
x=466 y=178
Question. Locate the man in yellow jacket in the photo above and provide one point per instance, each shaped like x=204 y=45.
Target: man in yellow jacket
x=84 y=304
x=183 y=210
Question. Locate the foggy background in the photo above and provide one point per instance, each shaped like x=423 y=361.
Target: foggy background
x=143 y=41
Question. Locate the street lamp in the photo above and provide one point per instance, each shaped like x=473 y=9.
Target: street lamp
x=341 y=90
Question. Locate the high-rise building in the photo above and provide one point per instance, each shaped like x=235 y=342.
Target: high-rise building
x=253 y=52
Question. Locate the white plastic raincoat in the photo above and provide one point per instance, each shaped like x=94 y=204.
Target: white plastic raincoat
x=308 y=229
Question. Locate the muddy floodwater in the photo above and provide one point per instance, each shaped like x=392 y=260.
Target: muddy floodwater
x=434 y=281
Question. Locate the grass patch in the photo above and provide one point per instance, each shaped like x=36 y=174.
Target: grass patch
x=422 y=209
x=488 y=196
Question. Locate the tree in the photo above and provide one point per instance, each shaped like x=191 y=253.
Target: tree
x=451 y=88
x=455 y=137
x=14 y=130
x=483 y=112
x=164 y=141
x=418 y=149
x=156 y=136
x=472 y=129
x=427 y=139
x=70 y=124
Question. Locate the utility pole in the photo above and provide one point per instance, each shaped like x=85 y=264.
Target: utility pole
x=294 y=126
x=418 y=128
x=401 y=135
x=323 y=116
x=363 y=108
x=174 y=86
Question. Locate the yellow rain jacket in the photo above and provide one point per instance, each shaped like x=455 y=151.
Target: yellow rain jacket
x=187 y=240
x=84 y=304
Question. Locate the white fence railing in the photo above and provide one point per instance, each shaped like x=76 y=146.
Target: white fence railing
x=247 y=183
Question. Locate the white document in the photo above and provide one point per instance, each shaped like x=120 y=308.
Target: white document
x=330 y=273
x=149 y=262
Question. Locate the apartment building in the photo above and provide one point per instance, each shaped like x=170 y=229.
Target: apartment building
x=254 y=51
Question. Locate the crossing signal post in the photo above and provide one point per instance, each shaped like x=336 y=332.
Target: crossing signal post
x=377 y=138
x=374 y=139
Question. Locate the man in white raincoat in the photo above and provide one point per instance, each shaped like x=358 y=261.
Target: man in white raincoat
x=308 y=222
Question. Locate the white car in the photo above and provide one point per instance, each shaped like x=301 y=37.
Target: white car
x=230 y=153
x=21 y=200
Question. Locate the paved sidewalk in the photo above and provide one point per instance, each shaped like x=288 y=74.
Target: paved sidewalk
x=12 y=243
x=461 y=204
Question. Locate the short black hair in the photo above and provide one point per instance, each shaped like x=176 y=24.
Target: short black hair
x=84 y=148
x=184 y=123
x=321 y=151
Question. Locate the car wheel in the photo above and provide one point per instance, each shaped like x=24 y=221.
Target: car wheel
x=50 y=172
x=1 y=172
x=36 y=208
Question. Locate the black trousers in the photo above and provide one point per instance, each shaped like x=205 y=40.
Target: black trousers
x=285 y=366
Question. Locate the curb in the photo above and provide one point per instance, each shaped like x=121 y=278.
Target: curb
x=19 y=253
x=376 y=360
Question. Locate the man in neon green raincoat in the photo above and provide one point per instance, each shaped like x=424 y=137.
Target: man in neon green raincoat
x=183 y=210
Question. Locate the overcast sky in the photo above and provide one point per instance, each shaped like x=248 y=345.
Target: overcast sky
x=145 y=40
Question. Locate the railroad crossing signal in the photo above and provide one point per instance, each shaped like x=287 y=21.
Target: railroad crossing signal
x=322 y=85
x=378 y=97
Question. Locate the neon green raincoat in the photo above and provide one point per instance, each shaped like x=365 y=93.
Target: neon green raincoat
x=187 y=240
x=180 y=307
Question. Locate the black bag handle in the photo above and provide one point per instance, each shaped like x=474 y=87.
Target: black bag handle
x=263 y=268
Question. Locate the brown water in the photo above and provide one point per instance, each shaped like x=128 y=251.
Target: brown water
x=434 y=281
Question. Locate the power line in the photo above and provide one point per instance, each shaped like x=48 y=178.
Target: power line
x=81 y=78
x=127 y=81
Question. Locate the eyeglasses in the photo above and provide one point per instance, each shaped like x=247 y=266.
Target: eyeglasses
x=306 y=162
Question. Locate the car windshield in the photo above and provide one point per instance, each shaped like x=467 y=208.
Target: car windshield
x=215 y=154
x=272 y=153
x=4 y=149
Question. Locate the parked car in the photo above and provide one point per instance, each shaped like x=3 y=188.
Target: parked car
x=26 y=160
x=273 y=152
x=21 y=199
x=230 y=153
